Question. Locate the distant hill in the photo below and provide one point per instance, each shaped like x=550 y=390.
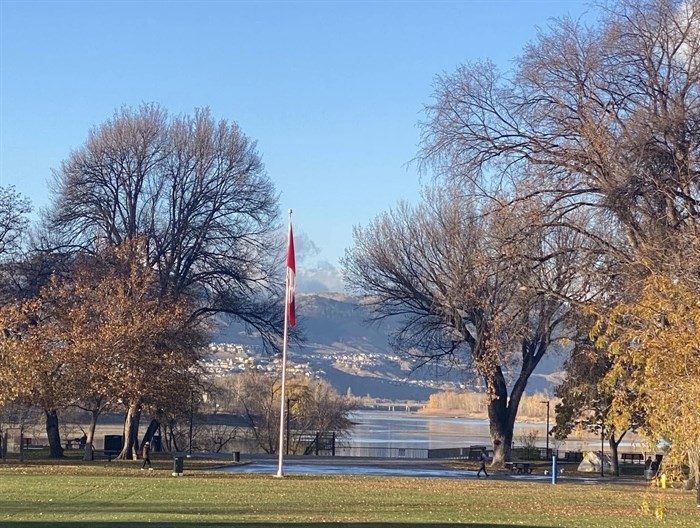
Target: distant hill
x=341 y=346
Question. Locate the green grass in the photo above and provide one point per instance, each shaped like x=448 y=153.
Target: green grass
x=117 y=494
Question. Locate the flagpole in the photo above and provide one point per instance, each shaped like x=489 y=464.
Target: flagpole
x=280 y=464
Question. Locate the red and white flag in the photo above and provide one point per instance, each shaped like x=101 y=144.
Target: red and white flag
x=291 y=274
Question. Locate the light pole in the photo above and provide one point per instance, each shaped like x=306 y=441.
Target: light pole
x=191 y=421
x=287 y=450
x=546 y=450
x=289 y=417
x=602 y=448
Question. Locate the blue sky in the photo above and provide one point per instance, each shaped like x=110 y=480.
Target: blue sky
x=332 y=91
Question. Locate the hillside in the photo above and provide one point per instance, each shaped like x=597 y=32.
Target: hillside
x=337 y=343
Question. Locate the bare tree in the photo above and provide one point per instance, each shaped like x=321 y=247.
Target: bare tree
x=602 y=118
x=258 y=402
x=607 y=114
x=14 y=209
x=315 y=407
x=473 y=288
x=195 y=190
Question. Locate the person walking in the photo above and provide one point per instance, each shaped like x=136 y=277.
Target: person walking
x=146 y=454
x=483 y=457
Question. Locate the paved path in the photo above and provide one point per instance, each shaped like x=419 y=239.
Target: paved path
x=312 y=465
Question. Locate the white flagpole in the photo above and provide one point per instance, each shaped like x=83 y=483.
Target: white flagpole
x=280 y=464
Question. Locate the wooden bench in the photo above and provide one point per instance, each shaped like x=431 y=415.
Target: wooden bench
x=519 y=467
x=633 y=458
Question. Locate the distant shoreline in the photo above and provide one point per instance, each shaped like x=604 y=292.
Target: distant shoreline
x=449 y=413
x=456 y=413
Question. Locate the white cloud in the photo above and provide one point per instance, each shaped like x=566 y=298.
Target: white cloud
x=322 y=277
x=314 y=272
x=304 y=248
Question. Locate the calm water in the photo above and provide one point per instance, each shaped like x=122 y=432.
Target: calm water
x=399 y=429
x=386 y=429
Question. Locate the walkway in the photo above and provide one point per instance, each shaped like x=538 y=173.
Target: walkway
x=312 y=465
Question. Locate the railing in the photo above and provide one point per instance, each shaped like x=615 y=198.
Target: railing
x=455 y=453
x=382 y=452
x=463 y=453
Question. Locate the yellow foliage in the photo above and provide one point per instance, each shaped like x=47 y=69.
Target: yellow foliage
x=475 y=403
x=106 y=330
x=656 y=356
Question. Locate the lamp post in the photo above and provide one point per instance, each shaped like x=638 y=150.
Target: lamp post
x=288 y=420
x=191 y=421
x=602 y=448
x=287 y=450
x=546 y=451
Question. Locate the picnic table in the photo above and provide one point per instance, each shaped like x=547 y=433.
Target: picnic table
x=634 y=458
x=519 y=467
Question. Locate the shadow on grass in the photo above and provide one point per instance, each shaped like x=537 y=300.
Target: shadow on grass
x=71 y=524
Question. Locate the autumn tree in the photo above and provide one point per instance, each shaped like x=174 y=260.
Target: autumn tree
x=653 y=344
x=195 y=190
x=142 y=347
x=35 y=366
x=586 y=401
x=316 y=408
x=471 y=287
x=102 y=336
x=257 y=399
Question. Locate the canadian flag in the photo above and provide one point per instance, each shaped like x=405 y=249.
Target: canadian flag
x=291 y=274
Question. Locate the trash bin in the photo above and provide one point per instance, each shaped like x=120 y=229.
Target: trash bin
x=113 y=445
x=236 y=456
x=179 y=465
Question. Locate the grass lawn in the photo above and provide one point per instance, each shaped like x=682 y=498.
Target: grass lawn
x=117 y=494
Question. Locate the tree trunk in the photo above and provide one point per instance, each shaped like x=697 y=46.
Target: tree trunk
x=501 y=433
x=53 y=434
x=172 y=440
x=693 y=480
x=501 y=419
x=89 y=444
x=614 y=462
x=150 y=431
x=504 y=409
x=131 y=429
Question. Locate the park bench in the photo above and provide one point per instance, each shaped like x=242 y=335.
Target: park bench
x=74 y=444
x=633 y=458
x=519 y=467
x=29 y=445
